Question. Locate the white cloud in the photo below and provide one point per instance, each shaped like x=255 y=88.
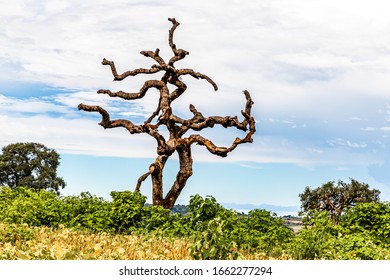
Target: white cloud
x=77 y=136
x=314 y=60
x=347 y=143
x=313 y=65
x=32 y=105
x=381 y=129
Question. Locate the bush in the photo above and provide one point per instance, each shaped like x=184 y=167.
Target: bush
x=31 y=206
x=267 y=232
x=357 y=246
x=220 y=233
x=127 y=210
x=373 y=218
x=363 y=234
x=158 y=218
x=87 y=211
x=46 y=208
x=311 y=242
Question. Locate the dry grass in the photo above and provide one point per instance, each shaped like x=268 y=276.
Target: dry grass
x=26 y=243
x=60 y=244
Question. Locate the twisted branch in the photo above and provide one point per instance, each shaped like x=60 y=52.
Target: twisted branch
x=198 y=122
x=131 y=96
x=126 y=74
x=107 y=123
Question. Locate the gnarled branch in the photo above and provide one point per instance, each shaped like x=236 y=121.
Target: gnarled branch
x=196 y=75
x=107 y=123
x=126 y=74
x=131 y=96
x=156 y=56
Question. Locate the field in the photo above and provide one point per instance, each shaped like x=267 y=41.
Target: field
x=36 y=224
x=22 y=242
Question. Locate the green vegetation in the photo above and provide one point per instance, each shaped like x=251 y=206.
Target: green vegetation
x=209 y=230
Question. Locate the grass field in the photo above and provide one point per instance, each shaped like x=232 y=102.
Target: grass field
x=22 y=242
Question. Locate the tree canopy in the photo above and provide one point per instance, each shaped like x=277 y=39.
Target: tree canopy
x=336 y=198
x=31 y=165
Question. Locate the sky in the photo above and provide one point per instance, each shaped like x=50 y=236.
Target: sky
x=318 y=73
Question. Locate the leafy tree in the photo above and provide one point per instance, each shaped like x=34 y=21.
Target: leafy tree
x=31 y=165
x=335 y=199
x=180 y=141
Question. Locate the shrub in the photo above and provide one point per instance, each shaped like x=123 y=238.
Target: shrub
x=267 y=232
x=311 y=241
x=31 y=206
x=373 y=218
x=87 y=211
x=356 y=246
x=45 y=208
x=127 y=210
x=361 y=235
x=220 y=233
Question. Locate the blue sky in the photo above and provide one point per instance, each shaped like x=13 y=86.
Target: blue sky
x=318 y=72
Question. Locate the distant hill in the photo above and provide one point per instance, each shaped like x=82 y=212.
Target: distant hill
x=182 y=209
x=283 y=211
x=279 y=210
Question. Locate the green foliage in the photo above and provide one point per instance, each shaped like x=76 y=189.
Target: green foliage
x=201 y=210
x=24 y=205
x=127 y=210
x=86 y=211
x=45 y=208
x=373 y=218
x=362 y=234
x=213 y=242
x=31 y=165
x=158 y=218
x=215 y=232
x=220 y=232
x=356 y=246
x=211 y=224
x=267 y=232
x=311 y=242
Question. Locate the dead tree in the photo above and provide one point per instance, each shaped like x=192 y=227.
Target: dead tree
x=176 y=126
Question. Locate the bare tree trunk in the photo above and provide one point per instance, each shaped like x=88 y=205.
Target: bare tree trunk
x=185 y=172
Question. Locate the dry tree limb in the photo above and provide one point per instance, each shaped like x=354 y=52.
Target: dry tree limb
x=126 y=74
x=131 y=96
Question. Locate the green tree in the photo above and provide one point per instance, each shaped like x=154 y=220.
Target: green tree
x=335 y=199
x=31 y=165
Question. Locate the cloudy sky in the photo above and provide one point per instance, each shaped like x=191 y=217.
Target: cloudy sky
x=318 y=72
